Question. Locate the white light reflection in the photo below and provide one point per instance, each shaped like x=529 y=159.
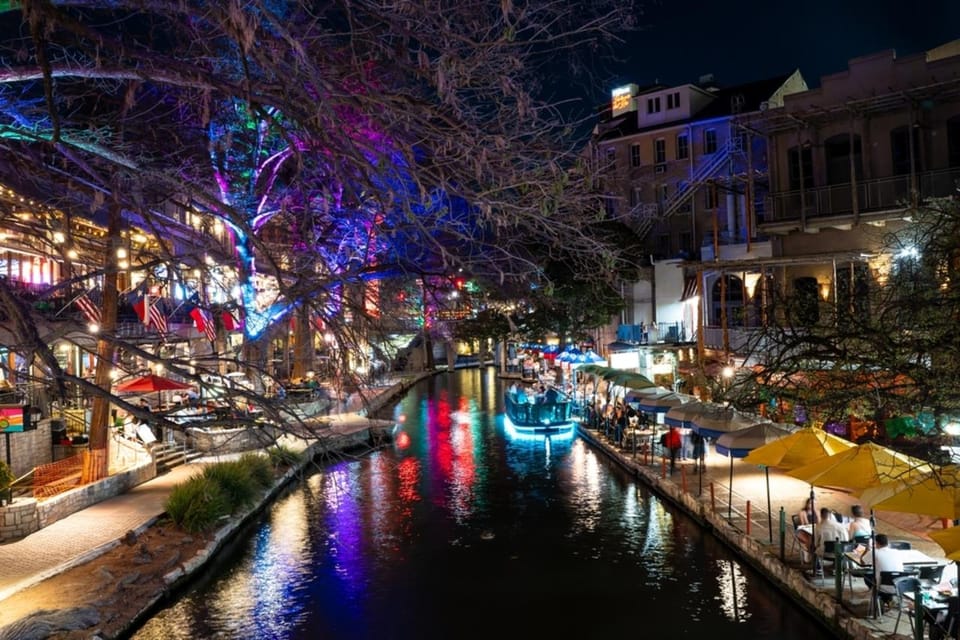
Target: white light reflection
x=585 y=497
x=733 y=590
x=279 y=561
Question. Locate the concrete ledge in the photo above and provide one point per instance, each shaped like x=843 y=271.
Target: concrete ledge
x=819 y=604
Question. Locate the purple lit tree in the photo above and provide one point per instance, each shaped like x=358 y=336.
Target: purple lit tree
x=280 y=157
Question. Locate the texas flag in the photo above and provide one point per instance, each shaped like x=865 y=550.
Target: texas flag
x=204 y=323
x=136 y=300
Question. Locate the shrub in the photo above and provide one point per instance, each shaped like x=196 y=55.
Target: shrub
x=281 y=456
x=197 y=504
x=261 y=470
x=236 y=481
x=6 y=476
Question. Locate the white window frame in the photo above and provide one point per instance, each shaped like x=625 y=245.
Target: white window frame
x=685 y=146
x=635 y=157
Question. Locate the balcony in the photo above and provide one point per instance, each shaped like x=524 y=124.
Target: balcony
x=879 y=195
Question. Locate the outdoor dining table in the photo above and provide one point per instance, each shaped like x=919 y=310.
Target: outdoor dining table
x=933 y=601
x=639 y=439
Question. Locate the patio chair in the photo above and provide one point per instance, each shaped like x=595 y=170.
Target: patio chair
x=796 y=526
x=904 y=585
x=930 y=575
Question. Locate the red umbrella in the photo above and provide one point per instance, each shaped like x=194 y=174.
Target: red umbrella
x=152 y=382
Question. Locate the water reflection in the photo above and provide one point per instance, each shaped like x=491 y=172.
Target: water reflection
x=457 y=528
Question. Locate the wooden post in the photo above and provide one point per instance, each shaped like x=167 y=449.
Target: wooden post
x=713 y=499
x=748 y=517
x=663 y=467
x=683 y=478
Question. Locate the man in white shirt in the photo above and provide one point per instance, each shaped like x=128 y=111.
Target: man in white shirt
x=887 y=559
x=829 y=529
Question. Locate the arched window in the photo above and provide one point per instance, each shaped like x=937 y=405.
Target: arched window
x=794 y=156
x=805 y=302
x=900 y=151
x=836 y=151
x=732 y=299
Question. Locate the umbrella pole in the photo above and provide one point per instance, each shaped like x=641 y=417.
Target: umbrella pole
x=813 y=532
x=875 y=595
x=766 y=471
x=730 y=491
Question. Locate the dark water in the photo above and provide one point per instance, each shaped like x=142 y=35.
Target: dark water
x=458 y=530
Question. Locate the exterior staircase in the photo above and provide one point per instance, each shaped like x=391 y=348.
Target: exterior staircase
x=169 y=455
x=706 y=170
x=649 y=214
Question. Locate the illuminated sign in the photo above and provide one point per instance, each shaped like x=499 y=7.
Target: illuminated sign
x=11 y=418
x=621 y=98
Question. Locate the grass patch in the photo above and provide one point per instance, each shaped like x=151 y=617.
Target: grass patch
x=219 y=490
x=236 y=480
x=197 y=504
x=281 y=456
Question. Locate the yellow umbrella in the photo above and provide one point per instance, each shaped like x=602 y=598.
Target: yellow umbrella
x=934 y=494
x=949 y=539
x=862 y=467
x=797 y=449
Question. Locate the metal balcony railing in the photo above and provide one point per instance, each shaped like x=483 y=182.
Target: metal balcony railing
x=879 y=194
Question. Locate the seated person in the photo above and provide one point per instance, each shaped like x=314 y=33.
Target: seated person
x=829 y=530
x=808 y=514
x=887 y=559
x=860 y=525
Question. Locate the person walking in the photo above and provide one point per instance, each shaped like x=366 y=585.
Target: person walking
x=673 y=441
x=699 y=451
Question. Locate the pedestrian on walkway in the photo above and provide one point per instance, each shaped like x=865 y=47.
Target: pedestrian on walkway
x=699 y=451
x=673 y=441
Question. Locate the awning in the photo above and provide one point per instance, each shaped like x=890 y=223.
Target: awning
x=689 y=289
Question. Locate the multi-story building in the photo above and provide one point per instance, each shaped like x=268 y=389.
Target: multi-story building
x=803 y=213
x=686 y=167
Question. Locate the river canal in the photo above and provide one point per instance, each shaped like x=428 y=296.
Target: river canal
x=458 y=530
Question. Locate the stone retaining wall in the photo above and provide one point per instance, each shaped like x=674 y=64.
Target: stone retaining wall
x=819 y=604
x=27 y=515
x=218 y=441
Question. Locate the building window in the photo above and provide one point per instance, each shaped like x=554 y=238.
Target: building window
x=686 y=242
x=659 y=151
x=636 y=196
x=664 y=193
x=710 y=198
x=673 y=100
x=611 y=159
x=793 y=162
x=635 y=155
x=710 y=141
x=653 y=105
x=610 y=205
x=683 y=146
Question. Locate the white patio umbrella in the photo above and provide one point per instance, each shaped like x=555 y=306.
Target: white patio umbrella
x=717 y=420
x=738 y=444
x=683 y=415
x=663 y=402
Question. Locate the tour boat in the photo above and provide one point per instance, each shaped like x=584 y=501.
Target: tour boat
x=529 y=415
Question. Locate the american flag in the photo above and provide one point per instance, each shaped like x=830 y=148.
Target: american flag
x=89 y=309
x=155 y=316
x=208 y=329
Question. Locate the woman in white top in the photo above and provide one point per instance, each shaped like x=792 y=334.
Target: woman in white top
x=860 y=525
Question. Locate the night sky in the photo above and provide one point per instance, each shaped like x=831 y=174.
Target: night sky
x=744 y=40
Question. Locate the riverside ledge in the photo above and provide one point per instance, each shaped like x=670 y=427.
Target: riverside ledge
x=345 y=432
x=819 y=601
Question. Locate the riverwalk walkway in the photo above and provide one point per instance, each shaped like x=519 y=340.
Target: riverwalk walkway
x=708 y=494
x=86 y=534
